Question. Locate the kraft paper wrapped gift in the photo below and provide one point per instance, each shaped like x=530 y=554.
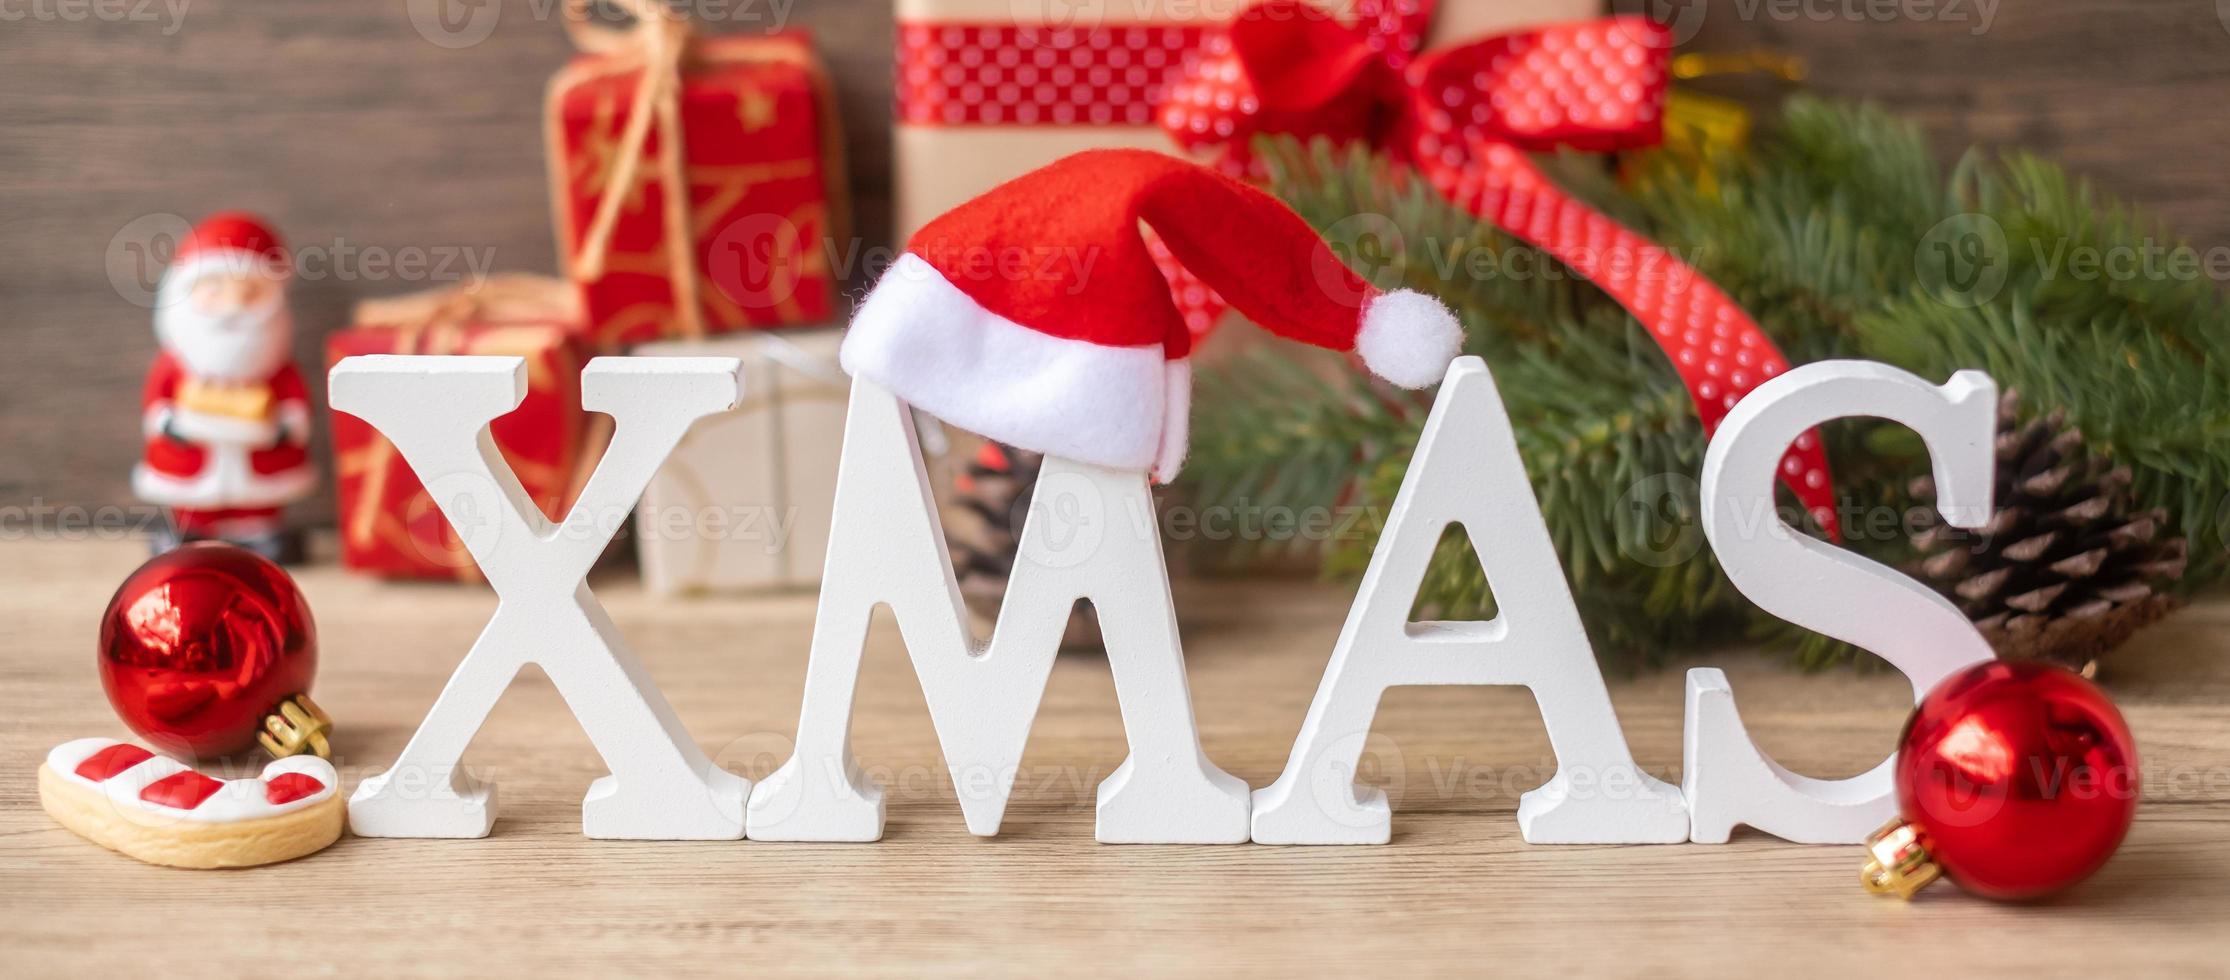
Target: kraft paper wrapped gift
x=745 y=502
x=991 y=89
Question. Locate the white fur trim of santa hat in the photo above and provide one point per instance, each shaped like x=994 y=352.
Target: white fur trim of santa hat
x=1176 y=419
x=940 y=351
x=1408 y=338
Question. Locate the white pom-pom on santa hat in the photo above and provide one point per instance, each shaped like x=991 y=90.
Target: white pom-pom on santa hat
x=1408 y=338
x=1036 y=316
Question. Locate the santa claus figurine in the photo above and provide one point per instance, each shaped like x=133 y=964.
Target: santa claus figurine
x=225 y=414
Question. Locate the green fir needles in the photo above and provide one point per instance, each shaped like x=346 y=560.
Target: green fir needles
x=1843 y=237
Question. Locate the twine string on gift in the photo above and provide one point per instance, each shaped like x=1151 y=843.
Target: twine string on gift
x=376 y=459
x=656 y=44
x=769 y=355
x=785 y=352
x=782 y=351
x=523 y=312
x=1466 y=116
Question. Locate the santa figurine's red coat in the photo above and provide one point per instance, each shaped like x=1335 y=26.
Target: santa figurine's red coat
x=225 y=415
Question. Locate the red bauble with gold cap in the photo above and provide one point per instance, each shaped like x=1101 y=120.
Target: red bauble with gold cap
x=2014 y=779
x=209 y=650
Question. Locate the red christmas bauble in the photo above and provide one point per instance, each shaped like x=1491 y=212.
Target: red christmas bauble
x=202 y=644
x=2017 y=779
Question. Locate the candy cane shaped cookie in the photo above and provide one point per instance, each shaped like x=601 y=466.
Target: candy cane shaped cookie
x=156 y=809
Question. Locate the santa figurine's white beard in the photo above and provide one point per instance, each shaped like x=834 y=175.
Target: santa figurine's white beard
x=239 y=345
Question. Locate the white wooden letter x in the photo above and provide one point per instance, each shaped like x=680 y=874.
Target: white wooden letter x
x=436 y=411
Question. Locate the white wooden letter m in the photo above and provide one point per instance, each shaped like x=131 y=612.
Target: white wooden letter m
x=436 y=411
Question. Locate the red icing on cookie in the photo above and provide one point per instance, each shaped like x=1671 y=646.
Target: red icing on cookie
x=103 y=766
x=181 y=790
x=291 y=786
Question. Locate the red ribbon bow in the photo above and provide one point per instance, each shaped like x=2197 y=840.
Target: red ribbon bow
x=1465 y=117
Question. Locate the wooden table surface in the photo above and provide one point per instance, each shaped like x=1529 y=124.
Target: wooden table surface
x=1456 y=891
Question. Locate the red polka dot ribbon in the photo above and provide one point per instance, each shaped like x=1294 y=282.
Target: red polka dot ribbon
x=1466 y=116
x=981 y=74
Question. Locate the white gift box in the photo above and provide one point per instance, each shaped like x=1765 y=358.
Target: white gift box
x=744 y=502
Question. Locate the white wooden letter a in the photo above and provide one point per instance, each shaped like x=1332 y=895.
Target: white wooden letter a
x=1467 y=471
x=1090 y=533
x=436 y=411
x=1811 y=583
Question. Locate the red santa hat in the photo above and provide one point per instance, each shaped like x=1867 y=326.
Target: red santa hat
x=1035 y=315
x=229 y=241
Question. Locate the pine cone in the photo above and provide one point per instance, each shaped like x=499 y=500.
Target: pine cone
x=2064 y=571
x=994 y=495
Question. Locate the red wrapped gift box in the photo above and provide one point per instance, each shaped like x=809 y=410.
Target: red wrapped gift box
x=390 y=526
x=759 y=153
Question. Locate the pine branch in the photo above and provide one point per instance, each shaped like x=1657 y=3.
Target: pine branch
x=1843 y=238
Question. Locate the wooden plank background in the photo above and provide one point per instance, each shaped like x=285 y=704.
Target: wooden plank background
x=351 y=129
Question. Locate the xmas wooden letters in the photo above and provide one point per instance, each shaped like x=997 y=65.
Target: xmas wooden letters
x=1091 y=534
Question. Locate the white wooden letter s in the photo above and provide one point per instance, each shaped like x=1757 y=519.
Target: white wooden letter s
x=1467 y=470
x=1091 y=533
x=436 y=411
x=1811 y=583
